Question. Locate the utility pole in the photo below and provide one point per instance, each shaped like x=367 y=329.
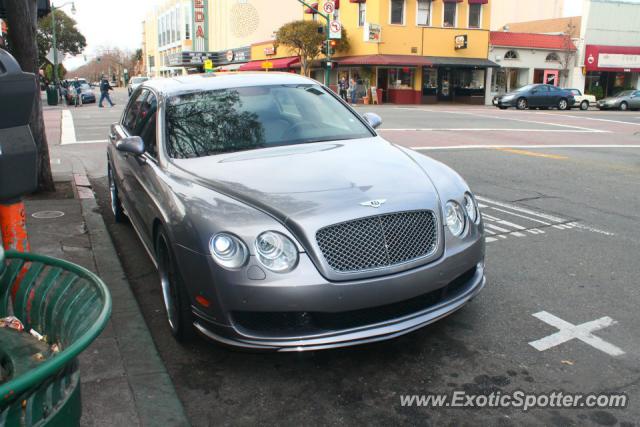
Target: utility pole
x=327 y=31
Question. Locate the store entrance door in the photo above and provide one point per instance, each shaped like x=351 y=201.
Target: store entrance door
x=383 y=82
x=445 y=87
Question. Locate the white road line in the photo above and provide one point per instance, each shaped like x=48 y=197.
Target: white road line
x=523 y=210
x=568 y=331
x=518 y=234
x=521 y=216
x=486 y=130
x=512 y=225
x=595 y=119
x=515 y=120
x=490 y=239
x=491 y=147
x=68 y=131
x=489 y=232
x=498 y=229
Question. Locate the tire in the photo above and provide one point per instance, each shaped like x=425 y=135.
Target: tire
x=116 y=205
x=175 y=297
x=563 y=104
x=624 y=106
x=584 y=105
x=522 y=104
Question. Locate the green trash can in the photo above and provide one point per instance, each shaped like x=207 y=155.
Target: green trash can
x=52 y=95
x=66 y=304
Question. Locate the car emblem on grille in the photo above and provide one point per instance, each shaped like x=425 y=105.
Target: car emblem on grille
x=374 y=203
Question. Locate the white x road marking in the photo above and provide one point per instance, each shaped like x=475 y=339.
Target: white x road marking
x=568 y=331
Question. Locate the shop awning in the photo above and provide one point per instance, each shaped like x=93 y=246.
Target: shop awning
x=424 y=61
x=612 y=58
x=446 y=61
x=478 y=1
x=383 y=60
x=452 y=1
x=278 y=64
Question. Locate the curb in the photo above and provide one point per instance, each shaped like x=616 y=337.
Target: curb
x=155 y=397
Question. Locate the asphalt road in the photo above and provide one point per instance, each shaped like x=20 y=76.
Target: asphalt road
x=559 y=194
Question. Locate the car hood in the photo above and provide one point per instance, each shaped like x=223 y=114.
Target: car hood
x=321 y=183
x=611 y=99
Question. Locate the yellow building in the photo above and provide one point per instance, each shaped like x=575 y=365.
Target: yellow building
x=413 y=51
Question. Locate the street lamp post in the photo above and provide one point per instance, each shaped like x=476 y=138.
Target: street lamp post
x=327 y=71
x=53 y=36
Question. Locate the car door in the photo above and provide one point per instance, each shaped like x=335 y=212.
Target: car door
x=634 y=101
x=553 y=96
x=146 y=170
x=537 y=96
x=121 y=170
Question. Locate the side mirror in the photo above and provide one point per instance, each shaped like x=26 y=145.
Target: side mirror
x=131 y=144
x=373 y=119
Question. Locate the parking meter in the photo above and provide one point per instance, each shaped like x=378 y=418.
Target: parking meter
x=18 y=154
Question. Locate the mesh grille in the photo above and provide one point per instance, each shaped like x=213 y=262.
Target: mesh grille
x=378 y=241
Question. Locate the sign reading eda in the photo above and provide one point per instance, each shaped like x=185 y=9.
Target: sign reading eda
x=461 y=42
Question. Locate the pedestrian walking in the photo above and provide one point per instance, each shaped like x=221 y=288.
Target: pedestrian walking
x=77 y=93
x=352 y=85
x=105 y=87
x=343 y=85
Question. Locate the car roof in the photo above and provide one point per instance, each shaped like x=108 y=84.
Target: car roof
x=215 y=81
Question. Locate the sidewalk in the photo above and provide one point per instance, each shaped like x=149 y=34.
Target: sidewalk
x=124 y=381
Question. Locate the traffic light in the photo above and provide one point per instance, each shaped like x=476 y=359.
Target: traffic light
x=329 y=47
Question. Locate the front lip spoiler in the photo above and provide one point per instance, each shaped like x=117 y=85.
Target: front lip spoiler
x=378 y=332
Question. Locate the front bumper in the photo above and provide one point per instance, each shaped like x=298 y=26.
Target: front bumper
x=311 y=313
x=498 y=102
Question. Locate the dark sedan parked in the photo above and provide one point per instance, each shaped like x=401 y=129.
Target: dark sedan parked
x=279 y=219
x=536 y=96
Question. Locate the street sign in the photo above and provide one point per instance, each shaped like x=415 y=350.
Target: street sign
x=50 y=55
x=335 y=30
x=208 y=66
x=267 y=65
x=372 y=33
x=329 y=7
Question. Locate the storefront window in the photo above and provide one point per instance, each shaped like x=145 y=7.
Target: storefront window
x=450 y=14
x=424 y=12
x=475 y=14
x=468 y=81
x=362 y=14
x=429 y=81
x=397 y=12
x=401 y=78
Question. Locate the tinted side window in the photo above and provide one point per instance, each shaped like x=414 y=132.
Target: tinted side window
x=133 y=109
x=146 y=126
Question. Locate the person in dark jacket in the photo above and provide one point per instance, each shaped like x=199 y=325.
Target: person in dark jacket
x=105 y=87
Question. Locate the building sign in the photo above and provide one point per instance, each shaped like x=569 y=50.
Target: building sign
x=186 y=59
x=269 y=50
x=612 y=58
x=200 y=24
x=461 y=41
x=230 y=55
x=372 y=33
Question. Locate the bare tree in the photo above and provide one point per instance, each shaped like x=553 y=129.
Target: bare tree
x=22 y=19
x=568 y=52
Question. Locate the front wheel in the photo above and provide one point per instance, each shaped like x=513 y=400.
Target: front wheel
x=624 y=106
x=563 y=104
x=584 y=105
x=522 y=104
x=116 y=204
x=174 y=294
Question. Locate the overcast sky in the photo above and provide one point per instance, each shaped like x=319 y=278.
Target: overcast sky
x=118 y=23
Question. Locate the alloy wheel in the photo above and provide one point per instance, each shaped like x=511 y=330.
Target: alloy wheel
x=522 y=104
x=563 y=104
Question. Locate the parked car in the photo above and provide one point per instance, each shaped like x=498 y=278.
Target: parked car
x=88 y=95
x=535 y=96
x=625 y=100
x=582 y=101
x=268 y=229
x=134 y=83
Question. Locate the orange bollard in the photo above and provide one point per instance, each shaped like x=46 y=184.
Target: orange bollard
x=13 y=227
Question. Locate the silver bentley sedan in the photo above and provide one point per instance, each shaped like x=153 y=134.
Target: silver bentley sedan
x=280 y=220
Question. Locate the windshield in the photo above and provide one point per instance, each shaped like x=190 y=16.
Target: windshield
x=85 y=86
x=137 y=80
x=224 y=121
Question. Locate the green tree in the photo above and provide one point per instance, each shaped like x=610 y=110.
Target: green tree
x=69 y=39
x=305 y=41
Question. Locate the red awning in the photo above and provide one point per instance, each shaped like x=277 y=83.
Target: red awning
x=311 y=11
x=384 y=60
x=478 y=1
x=278 y=64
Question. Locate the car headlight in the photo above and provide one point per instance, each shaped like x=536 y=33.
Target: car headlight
x=455 y=218
x=228 y=250
x=471 y=207
x=276 y=252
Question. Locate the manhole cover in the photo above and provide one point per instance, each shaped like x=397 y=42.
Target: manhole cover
x=47 y=214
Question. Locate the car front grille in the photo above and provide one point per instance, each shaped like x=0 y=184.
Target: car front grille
x=379 y=241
